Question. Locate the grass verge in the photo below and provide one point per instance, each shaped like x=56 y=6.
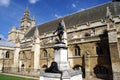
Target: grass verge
x=9 y=77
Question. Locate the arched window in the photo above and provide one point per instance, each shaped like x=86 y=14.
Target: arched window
x=45 y=52
x=77 y=50
x=7 y=55
x=24 y=55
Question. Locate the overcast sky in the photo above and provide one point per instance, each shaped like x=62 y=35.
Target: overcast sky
x=11 y=11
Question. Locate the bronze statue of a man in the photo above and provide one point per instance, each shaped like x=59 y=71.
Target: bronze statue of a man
x=60 y=31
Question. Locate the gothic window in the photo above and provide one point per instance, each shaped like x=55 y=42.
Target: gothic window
x=7 y=55
x=77 y=50
x=23 y=55
x=45 y=52
x=99 y=49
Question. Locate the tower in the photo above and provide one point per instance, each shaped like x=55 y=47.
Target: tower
x=26 y=22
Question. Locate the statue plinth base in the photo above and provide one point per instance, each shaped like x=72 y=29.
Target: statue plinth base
x=61 y=56
x=67 y=75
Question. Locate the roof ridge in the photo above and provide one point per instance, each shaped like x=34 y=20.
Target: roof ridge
x=73 y=13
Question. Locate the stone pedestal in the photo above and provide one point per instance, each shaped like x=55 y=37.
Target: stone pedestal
x=61 y=56
x=49 y=76
x=67 y=75
x=72 y=75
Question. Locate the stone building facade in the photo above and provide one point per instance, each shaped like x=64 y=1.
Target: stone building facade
x=6 y=54
x=92 y=37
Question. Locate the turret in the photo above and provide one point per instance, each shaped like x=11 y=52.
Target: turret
x=26 y=13
x=33 y=22
x=26 y=21
x=12 y=34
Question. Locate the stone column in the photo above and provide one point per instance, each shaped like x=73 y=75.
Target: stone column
x=87 y=65
x=16 y=56
x=114 y=53
x=37 y=54
x=36 y=50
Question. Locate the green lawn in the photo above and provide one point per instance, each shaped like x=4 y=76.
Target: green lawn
x=9 y=77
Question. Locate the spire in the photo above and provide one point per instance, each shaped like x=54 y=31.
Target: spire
x=63 y=23
x=33 y=21
x=26 y=13
x=36 y=34
x=65 y=32
x=27 y=8
x=108 y=13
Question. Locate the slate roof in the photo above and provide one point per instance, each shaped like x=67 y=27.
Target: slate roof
x=88 y=15
x=5 y=43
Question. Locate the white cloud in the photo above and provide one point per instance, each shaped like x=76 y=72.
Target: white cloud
x=56 y=15
x=33 y=1
x=4 y=3
x=73 y=5
x=2 y=37
x=82 y=9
